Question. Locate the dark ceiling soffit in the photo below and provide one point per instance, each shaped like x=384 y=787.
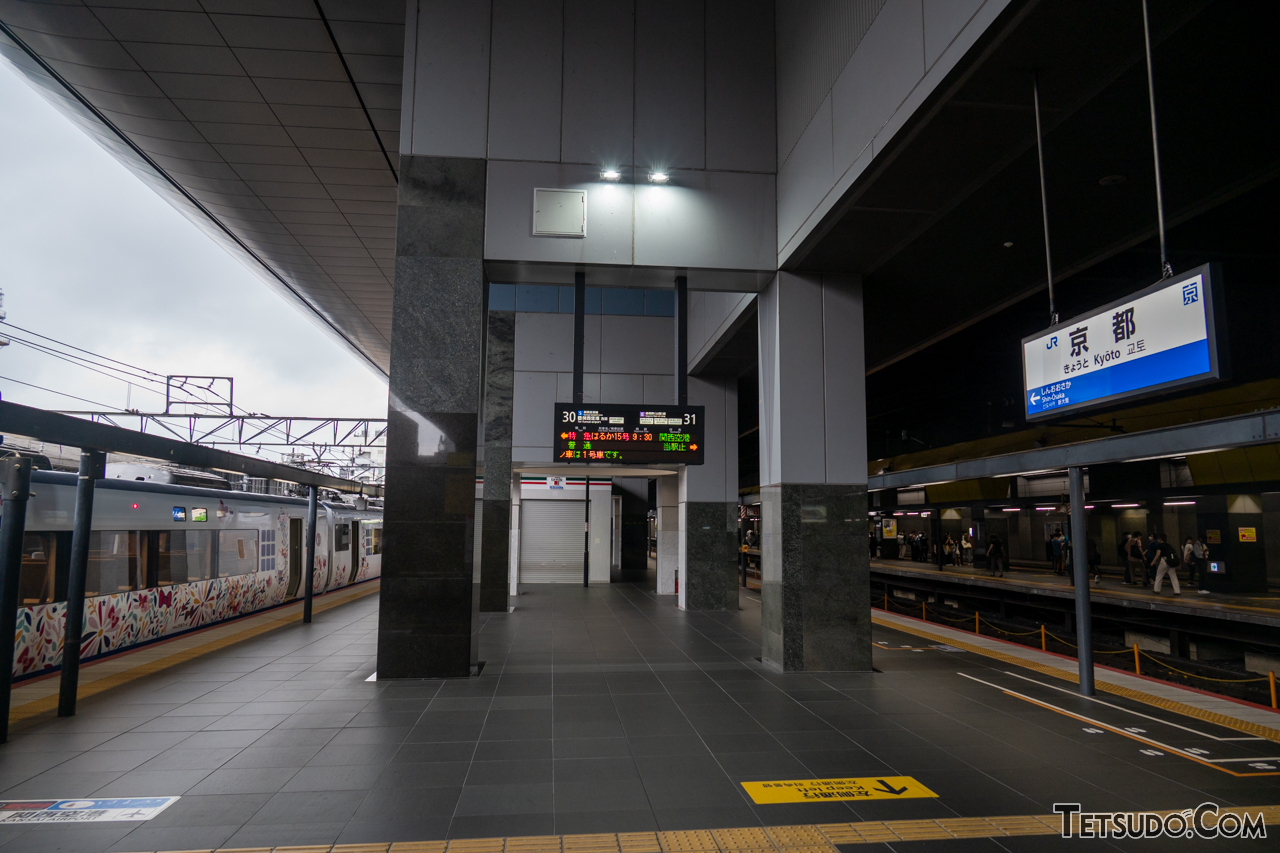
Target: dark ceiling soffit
x=107 y=123
x=627 y=275
x=988 y=43
x=352 y=80
x=745 y=312
x=1202 y=437
x=54 y=428
x=1137 y=238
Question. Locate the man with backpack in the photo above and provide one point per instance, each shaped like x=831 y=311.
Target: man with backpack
x=1168 y=560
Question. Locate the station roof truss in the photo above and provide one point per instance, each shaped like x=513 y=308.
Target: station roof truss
x=274 y=128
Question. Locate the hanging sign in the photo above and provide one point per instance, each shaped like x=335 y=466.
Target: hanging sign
x=625 y=434
x=1159 y=338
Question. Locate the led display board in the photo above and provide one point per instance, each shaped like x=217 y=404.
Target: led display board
x=1157 y=339
x=625 y=434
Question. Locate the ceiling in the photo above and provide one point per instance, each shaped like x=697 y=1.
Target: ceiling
x=946 y=226
x=272 y=124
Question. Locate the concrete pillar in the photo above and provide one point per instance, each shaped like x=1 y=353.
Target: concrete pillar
x=513 y=564
x=813 y=474
x=709 y=503
x=495 y=469
x=668 y=534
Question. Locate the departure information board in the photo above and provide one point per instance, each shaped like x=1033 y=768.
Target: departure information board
x=1157 y=339
x=626 y=434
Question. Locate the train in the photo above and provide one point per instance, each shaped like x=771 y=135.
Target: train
x=166 y=558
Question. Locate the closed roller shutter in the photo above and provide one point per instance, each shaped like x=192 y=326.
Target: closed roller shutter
x=551 y=541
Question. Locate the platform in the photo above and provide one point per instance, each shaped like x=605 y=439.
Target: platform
x=1260 y=609
x=609 y=713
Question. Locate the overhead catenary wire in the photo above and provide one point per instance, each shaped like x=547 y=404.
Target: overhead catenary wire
x=1166 y=269
x=51 y=391
x=1044 y=198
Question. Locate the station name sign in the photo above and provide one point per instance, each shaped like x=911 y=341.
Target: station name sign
x=626 y=434
x=1157 y=339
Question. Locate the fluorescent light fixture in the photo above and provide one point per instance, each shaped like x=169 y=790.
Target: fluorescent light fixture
x=658 y=177
x=913 y=513
x=1179 y=503
x=610 y=174
x=1123 y=506
x=1044 y=509
x=1011 y=509
x=896 y=514
x=1088 y=506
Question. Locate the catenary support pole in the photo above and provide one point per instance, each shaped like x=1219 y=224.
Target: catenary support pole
x=586 y=533
x=15 y=475
x=309 y=570
x=92 y=468
x=1166 y=270
x=682 y=340
x=1044 y=200
x=1080 y=568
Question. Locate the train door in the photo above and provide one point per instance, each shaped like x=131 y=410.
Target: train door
x=356 y=550
x=295 y=556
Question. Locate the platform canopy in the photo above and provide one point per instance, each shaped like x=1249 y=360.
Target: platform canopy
x=273 y=125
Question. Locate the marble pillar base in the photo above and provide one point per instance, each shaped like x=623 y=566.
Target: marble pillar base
x=711 y=555
x=495 y=555
x=815 y=599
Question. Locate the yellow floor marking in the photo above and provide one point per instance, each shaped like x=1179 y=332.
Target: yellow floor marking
x=807 y=838
x=821 y=790
x=1156 y=701
x=130 y=666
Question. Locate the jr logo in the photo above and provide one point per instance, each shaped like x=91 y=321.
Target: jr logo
x=1053 y=342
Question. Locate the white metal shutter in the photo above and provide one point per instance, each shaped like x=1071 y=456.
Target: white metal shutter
x=551 y=539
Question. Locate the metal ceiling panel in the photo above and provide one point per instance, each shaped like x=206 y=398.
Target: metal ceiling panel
x=272 y=124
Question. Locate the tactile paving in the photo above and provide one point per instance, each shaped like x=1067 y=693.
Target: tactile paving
x=687 y=841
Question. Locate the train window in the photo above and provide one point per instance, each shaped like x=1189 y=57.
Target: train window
x=117 y=562
x=38 y=561
x=375 y=540
x=184 y=556
x=237 y=552
x=341 y=537
x=268 y=548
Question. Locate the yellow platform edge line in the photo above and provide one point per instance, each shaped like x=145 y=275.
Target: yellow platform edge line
x=1239 y=725
x=45 y=704
x=805 y=838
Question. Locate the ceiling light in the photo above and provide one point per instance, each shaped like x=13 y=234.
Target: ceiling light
x=658 y=177
x=1011 y=509
x=1179 y=503
x=1123 y=506
x=1044 y=509
x=1008 y=244
x=610 y=174
x=1088 y=506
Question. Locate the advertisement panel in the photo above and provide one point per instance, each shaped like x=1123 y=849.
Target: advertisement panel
x=1159 y=338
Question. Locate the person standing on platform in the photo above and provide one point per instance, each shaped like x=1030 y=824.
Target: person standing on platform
x=1203 y=561
x=1150 y=556
x=1055 y=551
x=995 y=555
x=1095 y=562
x=966 y=550
x=1134 y=567
x=1167 y=559
x=1190 y=560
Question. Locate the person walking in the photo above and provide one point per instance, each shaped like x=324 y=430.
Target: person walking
x=1150 y=555
x=1167 y=559
x=995 y=555
x=1135 y=567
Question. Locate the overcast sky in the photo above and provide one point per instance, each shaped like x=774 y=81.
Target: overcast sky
x=91 y=256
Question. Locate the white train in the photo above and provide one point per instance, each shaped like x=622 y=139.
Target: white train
x=166 y=558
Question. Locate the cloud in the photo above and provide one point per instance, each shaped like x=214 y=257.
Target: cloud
x=93 y=257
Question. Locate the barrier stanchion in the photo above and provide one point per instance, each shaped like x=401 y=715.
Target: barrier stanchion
x=1271 y=676
x=1044 y=646
x=886 y=600
x=975 y=622
x=923 y=613
x=1137 y=664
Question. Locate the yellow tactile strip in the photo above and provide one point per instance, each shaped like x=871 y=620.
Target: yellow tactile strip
x=807 y=838
x=1245 y=726
x=103 y=675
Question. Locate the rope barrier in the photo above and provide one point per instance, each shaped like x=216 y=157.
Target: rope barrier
x=1201 y=677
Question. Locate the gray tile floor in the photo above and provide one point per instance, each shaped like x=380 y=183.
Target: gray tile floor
x=605 y=709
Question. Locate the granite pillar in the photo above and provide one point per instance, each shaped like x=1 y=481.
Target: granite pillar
x=427 y=625
x=815 y=596
x=709 y=503
x=495 y=531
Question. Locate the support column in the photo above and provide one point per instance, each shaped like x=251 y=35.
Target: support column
x=709 y=503
x=15 y=482
x=668 y=534
x=309 y=570
x=430 y=591
x=813 y=475
x=1080 y=570
x=495 y=531
x=92 y=468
